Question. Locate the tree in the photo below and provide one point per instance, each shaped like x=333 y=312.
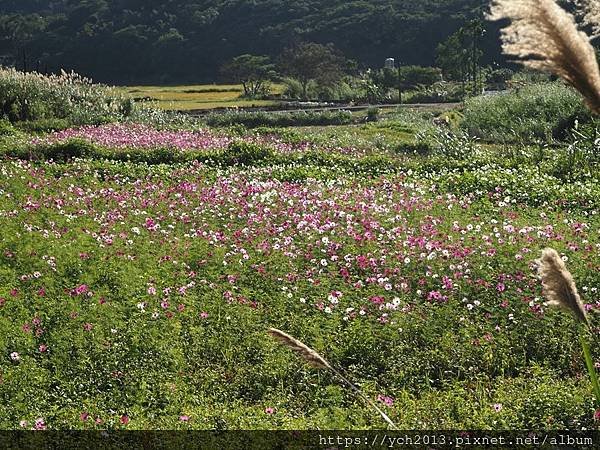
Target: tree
x=459 y=56
x=19 y=32
x=310 y=61
x=182 y=41
x=253 y=72
x=412 y=77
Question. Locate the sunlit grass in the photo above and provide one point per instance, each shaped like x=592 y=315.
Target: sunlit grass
x=205 y=96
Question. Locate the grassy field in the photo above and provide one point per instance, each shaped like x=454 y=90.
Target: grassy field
x=197 y=97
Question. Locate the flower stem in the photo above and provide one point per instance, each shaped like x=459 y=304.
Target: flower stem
x=364 y=397
x=590 y=365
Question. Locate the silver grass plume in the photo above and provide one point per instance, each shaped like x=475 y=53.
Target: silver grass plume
x=543 y=36
x=317 y=361
x=558 y=284
x=308 y=354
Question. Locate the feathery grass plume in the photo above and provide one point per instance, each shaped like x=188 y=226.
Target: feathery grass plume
x=317 y=361
x=544 y=36
x=308 y=354
x=558 y=284
x=560 y=289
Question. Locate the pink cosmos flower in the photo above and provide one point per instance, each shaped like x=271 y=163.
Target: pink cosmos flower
x=497 y=407
x=40 y=424
x=124 y=419
x=84 y=416
x=80 y=290
x=387 y=401
x=204 y=315
x=270 y=410
x=597 y=415
x=184 y=418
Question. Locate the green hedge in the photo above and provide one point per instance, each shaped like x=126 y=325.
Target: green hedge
x=278 y=119
x=540 y=112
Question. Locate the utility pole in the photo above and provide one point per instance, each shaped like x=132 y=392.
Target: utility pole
x=399 y=83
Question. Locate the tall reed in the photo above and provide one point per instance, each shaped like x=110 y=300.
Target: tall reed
x=315 y=360
x=560 y=290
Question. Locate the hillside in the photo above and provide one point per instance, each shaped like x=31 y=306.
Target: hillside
x=184 y=40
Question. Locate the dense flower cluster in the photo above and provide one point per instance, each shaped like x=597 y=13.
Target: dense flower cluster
x=135 y=288
x=138 y=136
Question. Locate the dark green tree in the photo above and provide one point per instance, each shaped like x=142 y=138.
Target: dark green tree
x=310 y=61
x=253 y=72
x=412 y=77
x=181 y=41
x=459 y=56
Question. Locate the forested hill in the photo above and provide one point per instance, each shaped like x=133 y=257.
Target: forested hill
x=187 y=40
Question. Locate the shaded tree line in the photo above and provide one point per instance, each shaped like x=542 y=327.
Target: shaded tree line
x=177 y=41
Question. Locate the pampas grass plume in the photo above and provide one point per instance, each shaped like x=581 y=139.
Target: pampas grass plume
x=317 y=361
x=544 y=36
x=305 y=352
x=558 y=284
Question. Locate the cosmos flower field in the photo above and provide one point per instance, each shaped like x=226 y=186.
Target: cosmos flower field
x=137 y=296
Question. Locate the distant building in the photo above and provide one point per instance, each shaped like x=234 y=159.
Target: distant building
x=390 y=63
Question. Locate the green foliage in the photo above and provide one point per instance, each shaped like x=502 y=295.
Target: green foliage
x=441 y=92
x=539 y=112
x=459 y=56
x=6 y=128
x=310 y=62
x=253 y=72
x=247 y=154
x=34 y=97
x=44 y=125
x=140 y=281
x=372 y=115
x=125 y=41
x=483 y=359
x=275 y=119
x=415 y=76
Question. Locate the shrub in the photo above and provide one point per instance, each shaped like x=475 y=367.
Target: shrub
x=414 y=76
x=537 y=112
x=247 y=154
x=73 y=148
x=33 y=96
x=6 y=129
x=44 y=125
x=441 y=92
x=274 y=119
x=372 y=115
